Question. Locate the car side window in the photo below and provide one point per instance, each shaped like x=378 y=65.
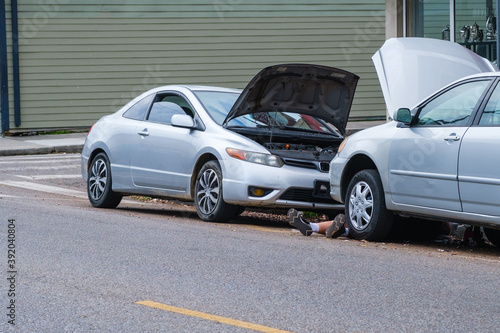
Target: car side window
x=138 y=110
x=491 y=113
x=165 y=106
x=454 y=107
x=179 y=101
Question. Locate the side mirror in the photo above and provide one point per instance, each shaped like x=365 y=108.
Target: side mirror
x=403 y=115
x=182 y=120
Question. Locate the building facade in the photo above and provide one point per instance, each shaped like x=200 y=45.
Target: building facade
x=471 y=23
x=66 y=63
x=79 y=60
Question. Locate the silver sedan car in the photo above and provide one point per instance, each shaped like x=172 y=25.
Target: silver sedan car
x=437 y=160
x=269 y=145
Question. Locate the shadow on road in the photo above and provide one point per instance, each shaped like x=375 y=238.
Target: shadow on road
x=263 y=218
x=277 y=219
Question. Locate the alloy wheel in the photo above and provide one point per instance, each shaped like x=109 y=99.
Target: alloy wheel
x=361 y=205
x=98 y=178
x=208 y=191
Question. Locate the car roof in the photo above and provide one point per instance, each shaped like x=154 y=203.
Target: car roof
x=193 y=88
x=487 y=74
x=465 y=78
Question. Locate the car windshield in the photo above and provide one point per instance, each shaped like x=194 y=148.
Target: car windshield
x=217 y=103
x=284 y=121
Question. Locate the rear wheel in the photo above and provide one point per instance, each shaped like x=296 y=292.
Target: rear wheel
x=493 y=236
x=366 y=213
x=99 y=184
x=209 y=201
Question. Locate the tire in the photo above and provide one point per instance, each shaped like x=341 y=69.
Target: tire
x=366 y=214
x=208 y=198
x=493 y=236
x=99 y=184
x=239 y=210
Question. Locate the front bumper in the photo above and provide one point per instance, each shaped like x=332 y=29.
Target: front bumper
x=337 y=167
x=287 y=186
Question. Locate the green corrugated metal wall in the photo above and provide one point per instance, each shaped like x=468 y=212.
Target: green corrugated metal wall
x=80 y=60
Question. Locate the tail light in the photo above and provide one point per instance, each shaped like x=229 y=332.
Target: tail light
x=90 y=129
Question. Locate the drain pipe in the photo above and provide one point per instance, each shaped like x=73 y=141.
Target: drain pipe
x=4 y=79
x=15 y=64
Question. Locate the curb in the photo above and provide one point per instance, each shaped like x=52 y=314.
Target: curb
x=42 y=150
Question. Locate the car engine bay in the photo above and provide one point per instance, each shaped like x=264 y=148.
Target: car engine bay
x=304 y=150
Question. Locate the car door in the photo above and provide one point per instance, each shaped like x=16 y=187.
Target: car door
x=162 y=154
x=423 y=159
x=120 y=140
x=479 y=162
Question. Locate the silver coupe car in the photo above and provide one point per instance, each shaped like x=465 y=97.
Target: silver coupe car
x=438 y=159
x=269 y=145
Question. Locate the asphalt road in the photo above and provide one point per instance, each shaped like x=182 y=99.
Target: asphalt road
x=81 y=269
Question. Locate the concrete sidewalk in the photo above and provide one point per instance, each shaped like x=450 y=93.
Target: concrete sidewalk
x=42 y=144
x=73 y=143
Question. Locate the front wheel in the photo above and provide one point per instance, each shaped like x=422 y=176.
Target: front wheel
x=493 y=236
x=209 y=202
x=99 y=184
x=366 y=213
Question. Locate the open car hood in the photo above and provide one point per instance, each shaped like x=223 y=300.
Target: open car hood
x=411 y=69
x=314 y=90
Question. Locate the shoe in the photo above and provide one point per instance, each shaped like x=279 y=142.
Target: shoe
x=295 y=219
x=337 y=228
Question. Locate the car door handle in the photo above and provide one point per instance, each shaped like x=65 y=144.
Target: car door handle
x=144 y=132
x=452 y=137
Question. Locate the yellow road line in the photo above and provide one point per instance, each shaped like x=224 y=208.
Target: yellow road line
x=207 y=316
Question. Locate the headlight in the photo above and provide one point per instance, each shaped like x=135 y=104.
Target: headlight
x=342 y=145
x=259 y=158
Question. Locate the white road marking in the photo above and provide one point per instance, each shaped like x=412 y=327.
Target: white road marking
x=46 y=188
x=75 y=158
x=7 y=196
x=50 y=177
x=55 y=190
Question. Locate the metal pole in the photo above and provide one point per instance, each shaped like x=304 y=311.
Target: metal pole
x=404 y=19
x=498 y=35
x=452 y=20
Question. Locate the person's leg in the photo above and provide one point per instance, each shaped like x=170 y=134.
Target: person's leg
x=295 y=219
x=330 y=229
x=337 y=227
x=323 y=226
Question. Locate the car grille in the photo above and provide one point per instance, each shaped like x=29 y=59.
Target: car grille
x=321 y=166
x=304 y=195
